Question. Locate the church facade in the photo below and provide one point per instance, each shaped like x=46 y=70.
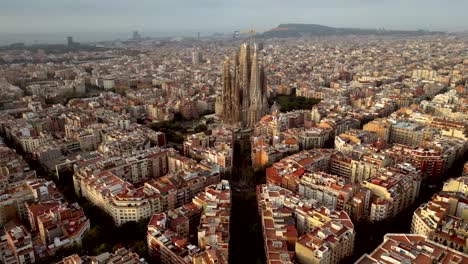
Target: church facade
x=244 y=93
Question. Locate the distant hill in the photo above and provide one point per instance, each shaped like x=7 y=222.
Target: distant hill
x=298 y=30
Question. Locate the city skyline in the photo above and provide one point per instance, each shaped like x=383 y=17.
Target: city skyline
x=92 y=17
x=223 y=131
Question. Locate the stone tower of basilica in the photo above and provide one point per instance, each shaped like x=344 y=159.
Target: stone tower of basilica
x=244 y=94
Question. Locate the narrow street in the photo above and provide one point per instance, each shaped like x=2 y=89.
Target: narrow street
x=246 y=243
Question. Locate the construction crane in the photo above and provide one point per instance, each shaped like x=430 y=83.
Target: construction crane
x=252 y=32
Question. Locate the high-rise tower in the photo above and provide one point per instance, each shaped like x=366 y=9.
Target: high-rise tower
x=70 y=41
x=244 y=94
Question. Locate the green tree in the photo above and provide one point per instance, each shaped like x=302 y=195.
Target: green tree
x=104 y=247
x=289 y=103
x=140 y=248
x=92 y=239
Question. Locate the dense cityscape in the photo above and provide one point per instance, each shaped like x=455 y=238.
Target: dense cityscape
x=244 y=147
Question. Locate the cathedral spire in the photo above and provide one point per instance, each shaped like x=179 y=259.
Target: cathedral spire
x=244 y=89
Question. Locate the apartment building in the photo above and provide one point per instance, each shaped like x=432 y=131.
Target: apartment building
x=61 y=226
x=287 y=172
x=354 y=139
x=327 y=244
x=407 y=133
x=342 y=165
x=125 y=202
x=298 y=229
x=135 y=167
x=412 y=248
x=444 y=219
x=329 y=190
x=30 y=143
x=213 y=231
x=13 y=169
x=216 y=147
x=16 y=247
x=169 y=233
x=393 y=190
x=367 y=166
x=429 y=160
x=13 y=202
x=381 y=127
x=118 y=198
x=120 y=256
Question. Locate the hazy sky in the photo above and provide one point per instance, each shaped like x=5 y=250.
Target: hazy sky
x=25 y=16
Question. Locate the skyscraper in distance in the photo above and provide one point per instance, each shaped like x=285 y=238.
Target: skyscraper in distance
x=70 y=41
x=136 y=35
